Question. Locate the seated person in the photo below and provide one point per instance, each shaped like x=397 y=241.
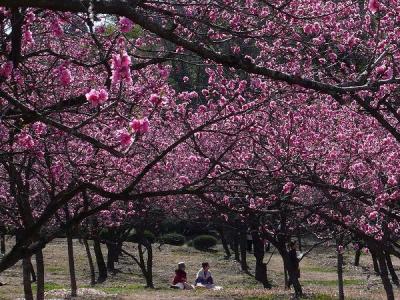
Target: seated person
x=204 y=278
x=180 y=281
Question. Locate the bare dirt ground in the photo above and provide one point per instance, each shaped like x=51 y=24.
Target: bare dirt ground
x=318 y=276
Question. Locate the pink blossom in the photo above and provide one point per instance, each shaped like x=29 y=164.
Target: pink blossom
x=121 y=68
x=140 y=125
x=56 y=170
x=25 y=141
x=56 y=28
x=252 y=204
x=373 y=6
x=30 y=17
x=381 y=69
x=125 y=24
x=308 y=29
x=100 y=29
x=373 y=215
x=64 y=76
x=103 y=95
x=201 y=109
x=39 y=128
x=124 y=137
x=185 y=79
x=392 y=180
x=28 y=37
x=288 y=187
x=164 y=72
x=332 y=56
x=155 y=99
x=193 y=95
x=135 y=125
x=6 y=69
x=144 y=125
x=184 y=180
x=97 y=97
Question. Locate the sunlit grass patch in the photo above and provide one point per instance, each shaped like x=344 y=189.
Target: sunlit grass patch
x=333 y=282
x=49 y=286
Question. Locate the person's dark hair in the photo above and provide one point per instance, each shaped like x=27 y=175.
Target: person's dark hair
x=205 y=264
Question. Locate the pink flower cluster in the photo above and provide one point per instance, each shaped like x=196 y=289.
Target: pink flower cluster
x=155 y=99
x=6 y=69
x=140 y=125
x=373 y=6
x=56 y=170
x=64 y=76
x=56 y=28
x=121 y=68
x=27 y=33
x=124 y=137
x=373 y=215
x=28 y=38
x=39 y=128
x=125 y=24
x=288 y=188
x=97 y=97
x=184 y=180
x=25 y=141
x=312 y=28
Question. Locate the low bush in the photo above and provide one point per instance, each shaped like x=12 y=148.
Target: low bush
x=204 y=242
x=133 y=237
x=174 y=239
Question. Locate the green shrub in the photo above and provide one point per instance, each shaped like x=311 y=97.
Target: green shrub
x=174 y=239
x=204 y=242
x=133 y=237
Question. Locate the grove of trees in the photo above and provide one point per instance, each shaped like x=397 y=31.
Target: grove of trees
x=281 y=117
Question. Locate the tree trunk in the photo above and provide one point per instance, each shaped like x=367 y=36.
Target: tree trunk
x=385 y=278
x=299 y=243
x=224 y=242
x=357 y=257
x=243 y=251
x=32 y=270
x=40 y=275
x=149 y=277
x=340 y=274
x=71 y=263
x=147 y=272
x=90 y=261
x=292 y=271
x=26 y=274
x=2 y=243
x=101 y=265
x=375 y=263
x=236 y=246
x=285 y=272
x=261 y=267
x=395 y=278
x=111 y=252
x=118 y=251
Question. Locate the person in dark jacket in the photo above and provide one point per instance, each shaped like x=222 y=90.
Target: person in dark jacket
x=180 y=279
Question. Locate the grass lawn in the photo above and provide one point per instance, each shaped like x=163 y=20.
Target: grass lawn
x=318 y=276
